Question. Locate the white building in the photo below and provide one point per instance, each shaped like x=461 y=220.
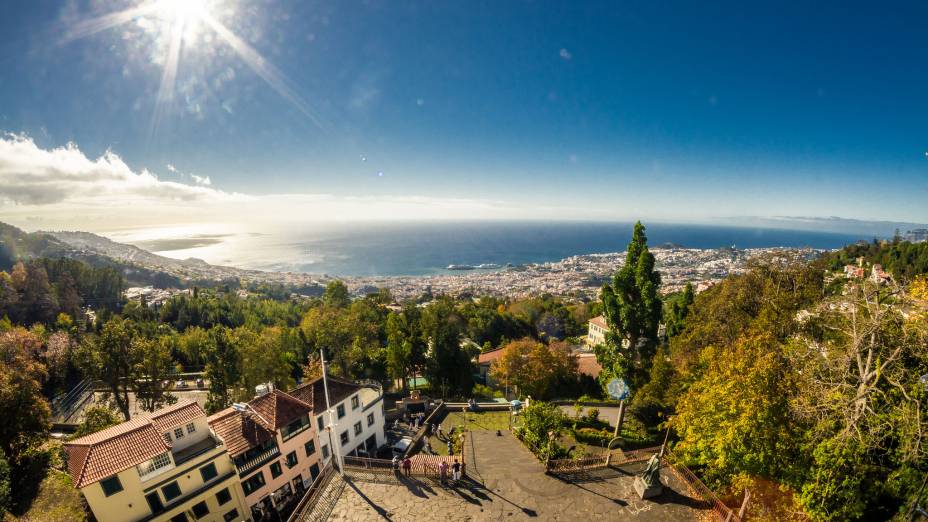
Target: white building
x=358 y=412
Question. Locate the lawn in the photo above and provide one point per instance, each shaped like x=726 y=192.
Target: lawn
x=476 y=421
x=44 y=492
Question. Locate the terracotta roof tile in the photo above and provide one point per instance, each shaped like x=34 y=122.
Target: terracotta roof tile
x=107 y=452
x=600 y=321
x=489 y=357
x=238 y=432
x=279 y=408
x=313 y=392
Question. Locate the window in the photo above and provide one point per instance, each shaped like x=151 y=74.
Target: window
x=310 y=447
x=171 y=491
x=253 y=483
x=154 y=502
x=325 y=452
x=208 y=472
x=355 y=402
x=200 y=510
x=341 y=410
x=180 y=517
x=178 y=433
x=357 y=428
x=370 y=419
x=230 y=516
x=276 y=470
x=167 y=438
x=158 y=462
x=191 y=428
x=294 y=427
x=223 y=496
x=344 y=437
x=320 y=423
x=291 y=459
x=111 y=485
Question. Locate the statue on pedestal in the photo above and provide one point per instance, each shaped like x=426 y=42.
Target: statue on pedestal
x=648 y=484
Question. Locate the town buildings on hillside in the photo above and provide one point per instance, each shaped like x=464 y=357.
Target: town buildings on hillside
x=246 y=462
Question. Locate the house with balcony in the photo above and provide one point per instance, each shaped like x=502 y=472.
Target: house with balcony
x=358 y=413
x=273 y=447
x=161 y=466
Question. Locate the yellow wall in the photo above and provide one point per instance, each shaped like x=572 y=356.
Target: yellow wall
x=129 y=505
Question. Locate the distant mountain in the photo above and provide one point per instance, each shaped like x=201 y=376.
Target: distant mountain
x=16 y=245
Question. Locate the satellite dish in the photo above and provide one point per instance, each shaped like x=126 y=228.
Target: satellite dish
x=618 y=389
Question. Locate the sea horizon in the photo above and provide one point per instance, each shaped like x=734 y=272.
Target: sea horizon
x=428 y=248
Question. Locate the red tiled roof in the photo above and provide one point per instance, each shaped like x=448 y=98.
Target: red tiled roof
x=489 y=357
x=107 y=452
x=588 y=365
x=313 y=392
x=600 y=321
x=238 y=432
x=279 y=408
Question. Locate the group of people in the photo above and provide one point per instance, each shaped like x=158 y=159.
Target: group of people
x=443 y=468
x=413 y=421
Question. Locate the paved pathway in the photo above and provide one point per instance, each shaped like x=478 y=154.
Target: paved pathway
x=505 y=481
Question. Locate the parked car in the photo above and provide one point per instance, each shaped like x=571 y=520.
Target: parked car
x=180 y=384
x=400 y=447
x=200 y=383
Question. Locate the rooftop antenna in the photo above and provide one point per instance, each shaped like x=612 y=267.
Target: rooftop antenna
x=243 y=407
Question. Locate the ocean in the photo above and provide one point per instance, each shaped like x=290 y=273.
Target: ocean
x=366 y=249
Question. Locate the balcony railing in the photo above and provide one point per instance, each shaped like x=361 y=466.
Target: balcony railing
x=257 y=461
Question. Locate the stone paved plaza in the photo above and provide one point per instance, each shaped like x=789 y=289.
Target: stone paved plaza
x=505 y=481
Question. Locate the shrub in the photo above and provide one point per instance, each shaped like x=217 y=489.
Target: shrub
x=485 y=392
x=592 y=436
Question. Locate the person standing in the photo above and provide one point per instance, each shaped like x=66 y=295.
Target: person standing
x=439 y=430
x=407 y=465
x=443 y=472
x=456 y=471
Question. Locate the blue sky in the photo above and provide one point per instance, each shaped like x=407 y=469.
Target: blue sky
x=677 y=111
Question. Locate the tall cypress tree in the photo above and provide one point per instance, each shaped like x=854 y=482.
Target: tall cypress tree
x=633 y=311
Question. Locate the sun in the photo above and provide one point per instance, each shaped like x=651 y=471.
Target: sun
x=181 y=11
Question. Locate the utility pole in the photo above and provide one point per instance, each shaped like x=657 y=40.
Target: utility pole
x=336 y=448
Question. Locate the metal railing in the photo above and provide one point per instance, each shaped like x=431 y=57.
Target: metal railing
x=426 y=466
x=304 y=508
x=258 y=460
x=719 y=510
x=614 y=458
x=65 y=405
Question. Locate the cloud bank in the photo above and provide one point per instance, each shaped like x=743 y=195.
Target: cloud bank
x=63 y=188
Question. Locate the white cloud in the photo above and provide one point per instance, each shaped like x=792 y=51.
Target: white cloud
x=61 y=188
x=565 y=54
x=30 y=175
x=201 y=180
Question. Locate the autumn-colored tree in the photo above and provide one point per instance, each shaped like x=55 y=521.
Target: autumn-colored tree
x=535 y=368
x=24 y=410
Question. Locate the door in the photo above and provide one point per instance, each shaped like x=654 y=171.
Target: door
x=154 y=502
x=314 y=471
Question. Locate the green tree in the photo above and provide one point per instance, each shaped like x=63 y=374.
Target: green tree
x=265 y=358
x=223 y=368
x=6 y=499
x=542 y=424
x=152 y=369
x=96 y=418
x=449 y=364
x=736 y=418
x=336 y=295
x=633 y=311
x=679 y=309
x=111 y=359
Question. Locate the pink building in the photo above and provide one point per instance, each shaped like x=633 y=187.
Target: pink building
x=273 y=446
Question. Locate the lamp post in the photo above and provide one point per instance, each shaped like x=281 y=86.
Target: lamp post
x=335 y=447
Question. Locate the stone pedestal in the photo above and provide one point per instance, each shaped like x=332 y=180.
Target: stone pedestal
x=647 y=492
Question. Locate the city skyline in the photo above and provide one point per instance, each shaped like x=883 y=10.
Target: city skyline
x=173 y=113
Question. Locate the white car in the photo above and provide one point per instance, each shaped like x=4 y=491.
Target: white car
x=400 y=447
